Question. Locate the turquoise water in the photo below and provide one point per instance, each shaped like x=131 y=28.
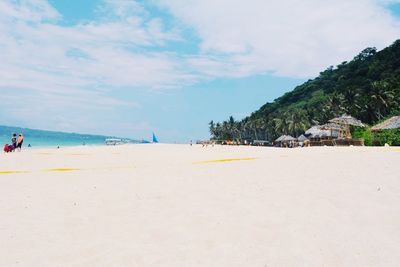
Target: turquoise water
x=39 y=138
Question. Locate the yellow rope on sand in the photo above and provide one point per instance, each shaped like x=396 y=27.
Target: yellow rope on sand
x=12 y=172
x=61 y=170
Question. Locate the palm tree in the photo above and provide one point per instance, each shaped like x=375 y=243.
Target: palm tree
x=252 y=124
x=382 y=98
x=232 y=129
x=297 y=122
x=351 y=97
x=212 y=129
x=239 y=129
x=268 y=128
x=334 y=105
x=218 y=131
x=281 y=125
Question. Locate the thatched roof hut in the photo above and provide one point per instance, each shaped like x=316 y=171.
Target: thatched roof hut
x=314 y=130
x=317 y=131
x=280 y=138
x=302 y=138
x=332 y=126
x=347 y=120
x=285 y=138
x=288 y=138
x=392 y=123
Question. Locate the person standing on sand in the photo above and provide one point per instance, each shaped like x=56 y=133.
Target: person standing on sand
x=20 y=141
x=14 y=140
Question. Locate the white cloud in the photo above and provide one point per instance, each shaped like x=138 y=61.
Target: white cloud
x=70 y=70
x=42 y=50
x=287 y=37
x=28 y=10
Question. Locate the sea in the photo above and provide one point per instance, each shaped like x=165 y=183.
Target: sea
x=40 y=138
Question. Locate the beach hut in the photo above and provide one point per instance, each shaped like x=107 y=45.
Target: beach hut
x=302 y=138
x=334 y=130
x=346 y=121
x=320 y=135
x=317 y=132
x=279 y=139
x=303 y=141
x=392 y=123
x=286 y=140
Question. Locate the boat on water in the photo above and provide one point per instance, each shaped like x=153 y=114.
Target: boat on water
x=155 y=139
x=121 y=141
x=114 y=141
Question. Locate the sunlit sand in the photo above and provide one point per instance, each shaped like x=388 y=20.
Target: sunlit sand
x=177 y=205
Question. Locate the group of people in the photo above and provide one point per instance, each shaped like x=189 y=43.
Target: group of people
x=16 y=143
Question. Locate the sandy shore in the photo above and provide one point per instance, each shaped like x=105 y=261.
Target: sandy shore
x=176 y=205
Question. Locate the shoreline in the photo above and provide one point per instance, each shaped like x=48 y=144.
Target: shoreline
x=88 y=146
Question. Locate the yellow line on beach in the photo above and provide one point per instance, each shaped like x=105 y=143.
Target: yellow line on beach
x=12 y=172
x=222 y=160
x=88 y=169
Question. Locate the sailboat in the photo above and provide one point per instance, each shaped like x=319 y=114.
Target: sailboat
x=155 y=140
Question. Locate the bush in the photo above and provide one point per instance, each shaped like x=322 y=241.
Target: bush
x=391 y=137
x=363 y=133
x=380 y=138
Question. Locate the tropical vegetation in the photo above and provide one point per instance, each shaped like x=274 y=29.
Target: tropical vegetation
x=367 y=88
x=378 y=138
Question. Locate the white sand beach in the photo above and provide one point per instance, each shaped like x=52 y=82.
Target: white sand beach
x=177 y=205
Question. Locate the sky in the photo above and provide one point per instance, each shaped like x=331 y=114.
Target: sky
x=128 y=67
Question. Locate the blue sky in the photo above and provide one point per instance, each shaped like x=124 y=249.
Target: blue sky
x=127 y=68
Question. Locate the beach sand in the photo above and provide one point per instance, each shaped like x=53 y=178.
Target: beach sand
x=177 y=205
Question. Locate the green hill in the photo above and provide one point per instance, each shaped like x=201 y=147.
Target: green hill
x=368 y=88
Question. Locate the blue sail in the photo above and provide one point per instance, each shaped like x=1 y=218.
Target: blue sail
x=155 y=140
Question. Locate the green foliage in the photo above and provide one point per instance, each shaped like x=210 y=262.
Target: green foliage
x=391 y=137
x=367 y=88
x=363 y=133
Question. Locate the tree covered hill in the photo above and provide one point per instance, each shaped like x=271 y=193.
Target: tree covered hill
x=368 y=88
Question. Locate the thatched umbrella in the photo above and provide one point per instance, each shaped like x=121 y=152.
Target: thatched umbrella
x=285 y=139
x=288 y=138
x=280 y=138
x=392 y=123
x=302 y=138
x=347 y=121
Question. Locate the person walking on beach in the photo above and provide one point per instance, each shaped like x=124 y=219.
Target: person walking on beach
x=20 y=141
x=14 y=140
